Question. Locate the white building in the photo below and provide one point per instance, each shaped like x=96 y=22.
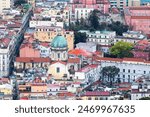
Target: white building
x=140 y=88
x=122 y=3
x=130 y=36
x=53 y=89
x=103 y=39
x=89 y=46
x=130 y=68
x=7 y=53
x=5 y=4
x=100 y=37
x=44 y=51
x=82 y=13
x=88 y=74
x=36 y=23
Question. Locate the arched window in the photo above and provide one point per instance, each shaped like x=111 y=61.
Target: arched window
x=58 y=55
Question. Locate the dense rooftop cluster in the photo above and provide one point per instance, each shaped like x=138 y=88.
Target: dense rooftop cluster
x=41 y=59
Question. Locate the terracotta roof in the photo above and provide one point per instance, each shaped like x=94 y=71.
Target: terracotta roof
x=59 y=62
x=73 y=60
x=97 y=93
x=53 y=85
x=88 y=68
x=133 y=59
x=98 y=53
x=24 y=98
x=143 y=42
x=77 y=83
x=140 y=17
x=78 y=52
x=5 y=41
x=134 y=91
x=36 y=60
x=115 y=10
x=26 y=45
x=69 y=94
x=45 y=44
x=120 y=60
x=38 y=84
x=107 y=59
x=16 y=25
x=139 y=8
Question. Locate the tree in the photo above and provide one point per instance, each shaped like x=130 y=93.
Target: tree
x=110 y=72
x=122 y=49
x=19 y=2
x=118 y=27
x=145 y=98
x=94 y=19
x=80 y=37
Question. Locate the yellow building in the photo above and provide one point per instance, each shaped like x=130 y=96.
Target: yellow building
x=39 y=87
x=58 y=70
x=6 y=89
x=47 y=34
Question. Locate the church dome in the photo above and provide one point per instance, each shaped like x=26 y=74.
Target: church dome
x=59 y=42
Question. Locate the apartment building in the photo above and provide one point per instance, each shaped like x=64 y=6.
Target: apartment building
x=83 y=13
x=11 y=34
x=140 y=88
x=138 y=18
x=47 y=34
x=5 y=4
x=123 y=3
x=130 y=68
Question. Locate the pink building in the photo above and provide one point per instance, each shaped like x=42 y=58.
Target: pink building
x=142 y=50
x=27 y=50
x=138 y=18
x=102 y=5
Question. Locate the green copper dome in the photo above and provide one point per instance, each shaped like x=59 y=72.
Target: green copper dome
x=59 y=42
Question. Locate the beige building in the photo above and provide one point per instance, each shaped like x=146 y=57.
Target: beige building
x=134 y=2
x=5 y=4
x=58 y=70
x=47 y=34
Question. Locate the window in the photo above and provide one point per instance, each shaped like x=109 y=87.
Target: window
x=58 y=55
x=58 y=70
x=64 y=55
x=123 y=76
x=123 y=70
x=128 y=70
x=133 y=71
x=144 y=72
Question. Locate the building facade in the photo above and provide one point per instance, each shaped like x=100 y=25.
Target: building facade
x=138 y=18
x=5 y=4
x=130 y=68
x=140 y=88
x=123 y=3
x=47 y=34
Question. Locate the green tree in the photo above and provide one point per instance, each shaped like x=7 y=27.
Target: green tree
x=19 y=2
x=94 y=19
x=110 y=72
x=122 y=49
x=118 y=27
x=145 y=98
x=80 y=37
